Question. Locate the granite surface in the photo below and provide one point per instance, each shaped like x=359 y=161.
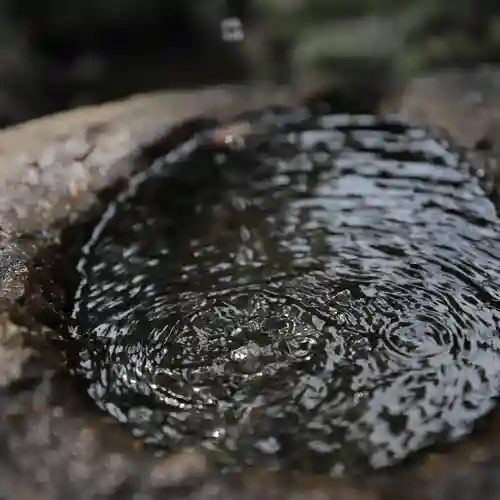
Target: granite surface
x=53 y=443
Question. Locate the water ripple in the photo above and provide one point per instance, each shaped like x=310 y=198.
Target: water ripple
x=325 y=297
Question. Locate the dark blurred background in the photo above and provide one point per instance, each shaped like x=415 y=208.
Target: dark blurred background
x=58 y=54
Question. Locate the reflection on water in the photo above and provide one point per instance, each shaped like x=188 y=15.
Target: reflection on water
x=324 y=297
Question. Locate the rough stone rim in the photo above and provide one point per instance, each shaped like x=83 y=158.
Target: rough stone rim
x=42 y=164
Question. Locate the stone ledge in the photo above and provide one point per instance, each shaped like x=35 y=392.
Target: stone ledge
x=53 y=443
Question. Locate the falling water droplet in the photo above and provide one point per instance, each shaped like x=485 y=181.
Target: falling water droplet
x=232 y=30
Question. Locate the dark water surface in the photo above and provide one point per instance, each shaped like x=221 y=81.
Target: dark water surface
x=323 y=297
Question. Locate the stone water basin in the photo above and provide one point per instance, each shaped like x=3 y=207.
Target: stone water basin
x=321 y=293
x=326 y=309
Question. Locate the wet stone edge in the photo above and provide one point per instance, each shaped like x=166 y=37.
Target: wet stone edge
x=41 y=403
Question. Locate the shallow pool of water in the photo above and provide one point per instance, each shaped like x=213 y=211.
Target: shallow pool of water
x=321 y=296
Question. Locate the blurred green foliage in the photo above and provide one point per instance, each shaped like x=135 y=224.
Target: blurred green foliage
x=56 y=54
x=396 y=37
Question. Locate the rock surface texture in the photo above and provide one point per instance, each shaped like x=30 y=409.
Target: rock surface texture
x=53 y=443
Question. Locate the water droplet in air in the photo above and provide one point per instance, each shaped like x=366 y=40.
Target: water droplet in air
x=232 y=30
